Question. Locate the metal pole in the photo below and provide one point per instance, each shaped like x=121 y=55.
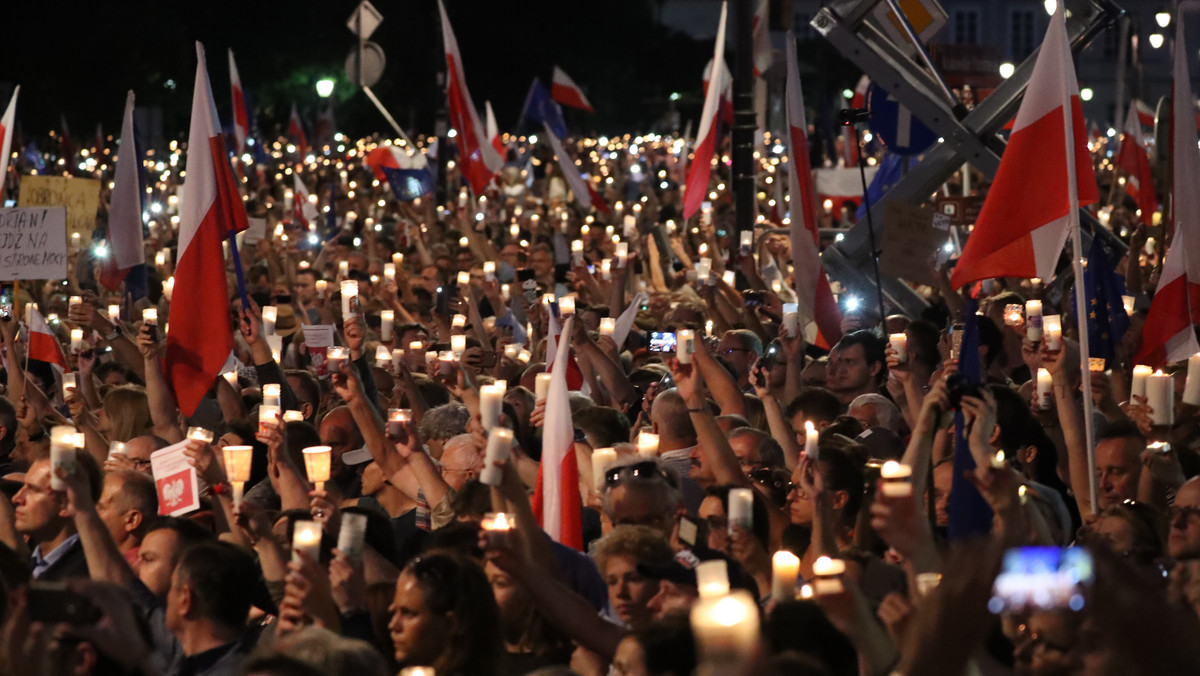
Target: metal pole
x=862 y=173
x=744 y=123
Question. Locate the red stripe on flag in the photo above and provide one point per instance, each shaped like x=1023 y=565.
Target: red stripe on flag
x=699 y=173
x=1164 y=324
x=44 y=347
x=233 y=211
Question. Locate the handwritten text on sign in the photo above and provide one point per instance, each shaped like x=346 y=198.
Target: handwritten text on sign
x=81 y=197
x=33 y=243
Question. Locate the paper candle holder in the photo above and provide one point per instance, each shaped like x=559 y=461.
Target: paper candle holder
x=317 y=462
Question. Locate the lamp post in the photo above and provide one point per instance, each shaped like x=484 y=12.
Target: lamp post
x=325 y=87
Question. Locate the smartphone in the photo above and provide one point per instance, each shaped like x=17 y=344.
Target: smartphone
x=283 y=299
x=688 y=531
x=1042 y=578
x=766 y=363
x=560 y=273
x=54 y=602
x=662 y=341
x=6 y=301
x=755 y=298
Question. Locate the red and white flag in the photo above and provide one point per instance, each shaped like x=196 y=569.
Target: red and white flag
x=813 y=295
x=575 y=180
x=762 y=40
x=492 y=129
x=241 y=119
x=1145 y=114
x=305 y=212
x=849 y=147
x=200 y=335
x=1168 y=334
x=556 y=500
x=706 y=139
x=125 y=246
x=1020 y=231
x=564 y=90
x=1133 y=158
x=8 y=127
x=43 y=345
x=296 y=131
x=477 y=158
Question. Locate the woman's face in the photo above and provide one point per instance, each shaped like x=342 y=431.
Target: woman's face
x=418 y=635
x=228 y=439
x=630 y=660
x=1053 y=640
x=511 y=599
x=628 y=591
x=103 y=423
x=712 y=511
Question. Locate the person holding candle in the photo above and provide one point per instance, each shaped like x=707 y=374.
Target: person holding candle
x=44 y=516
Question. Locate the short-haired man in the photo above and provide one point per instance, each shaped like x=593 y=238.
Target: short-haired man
x=127 y=505
x=207 y=606
x=876 y=410
x=1118 y=463
x=740 y=348
x=857 y=366
x=44 y=516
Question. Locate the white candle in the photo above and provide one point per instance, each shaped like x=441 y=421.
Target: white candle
x=1033 y=320
x=608 y=326
x=464 y=278
x=74 y=301
x=577 y=252
x=791 y=319
x=899 y=342
x=511 y=351
x=826 y=572
x=237 y=467
x=397 y=259
x=317 y=461
x=349 y=289
x=703 y=270
x=118 y=448
x=647 y=444
x=231 y=377
x=321 y=286
x=895 y=479
x=416 y=346
x=497 y=526
x=606 y=269
x=68 y=384
x=270 y=315
x=499 y=445
x=334 y=356
x=712 y=578
x=684 y=346
x=389 y=271
x=1191 y=389
x=1045 y=390
x=741 y=508
x=726 y=630
x=747 y=241
x=306 y=537
x=566 y=305
x=169 y=288
x=200 y=434
x=1052 y=331
x=293 y=416
x=489 y=271
x=541 y=385
x=811 y=449
x=352 y=534
x=76 y=340
x=785 y=569
x=1137 y=386
x=621 y=253
x=602 y=459
x=271 y=394
x=1160 y=397
x=343 y=269
x=1128 y=302
x=491 y=405
x=458 y=345
x=267 y=417
x=387 y=319
x=276 y=345
x=62 y=454
x=114 y=313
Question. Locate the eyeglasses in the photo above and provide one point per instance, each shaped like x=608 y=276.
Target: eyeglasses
x=777 y=483
x=1187 y=511
x=647 y=470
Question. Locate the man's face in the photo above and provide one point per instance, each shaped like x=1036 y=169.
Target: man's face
x=38 y=509
x=1183 y=542
x=339 y=437
x=305 y=287
x=357 y=262
x=373 y=480
x=700 y=472
x=138 y=451
x=464 y=260
x=177 y=592
x=156 y=560
x=109 y=507
x=511 y=254
x=848 y=370
x=745 y=447
x=642 y=506
x=629 y=593
x=732 y=349
x=1119 y=463
x=461 y=462
x=672 y=599
x=865 y=413
x=943 y=478
x=541 y=262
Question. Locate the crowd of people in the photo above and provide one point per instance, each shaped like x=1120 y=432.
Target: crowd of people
x=757 y=450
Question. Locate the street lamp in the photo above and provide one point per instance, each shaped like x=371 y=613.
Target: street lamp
x=1086 y=94
x=324 y=87
x=1163 y=18
x=1050 y=6
x=1156 y=40
x=1007 y=70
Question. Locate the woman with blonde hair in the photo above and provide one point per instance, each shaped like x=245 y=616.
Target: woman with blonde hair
x=125 y=414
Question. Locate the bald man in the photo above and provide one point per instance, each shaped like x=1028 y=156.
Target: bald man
x=127 y=504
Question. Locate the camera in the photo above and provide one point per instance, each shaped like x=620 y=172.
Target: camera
x=957 y=387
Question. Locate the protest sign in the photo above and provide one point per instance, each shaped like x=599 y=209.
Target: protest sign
x=175 y=480
x=81 y=197
x=910 y=241
x=33 y=243
x=318 y=338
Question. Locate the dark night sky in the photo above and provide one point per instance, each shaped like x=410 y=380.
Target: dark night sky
x=79 y=61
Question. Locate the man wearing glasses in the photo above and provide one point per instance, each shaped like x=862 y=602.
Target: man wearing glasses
x=740 y=348
x=1183 y=543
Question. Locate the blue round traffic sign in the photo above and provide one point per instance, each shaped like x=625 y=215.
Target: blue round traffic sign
x=898 y=128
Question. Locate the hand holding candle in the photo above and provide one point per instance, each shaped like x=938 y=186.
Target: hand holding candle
x=317 y=462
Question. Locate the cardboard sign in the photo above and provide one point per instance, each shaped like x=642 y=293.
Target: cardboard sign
x=911 y=238
x=250 y=236
x=318 y=338
x=175 y=480
x=33 y=243
x=81 y=197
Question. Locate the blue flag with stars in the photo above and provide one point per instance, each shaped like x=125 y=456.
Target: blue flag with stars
x=967 y=510
x=1106 y=318
x=541 y=109
x=891 y=170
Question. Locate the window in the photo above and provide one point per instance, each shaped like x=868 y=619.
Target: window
x=966 y=27
x=1023 y=34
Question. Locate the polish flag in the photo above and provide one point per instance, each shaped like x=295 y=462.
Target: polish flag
x=1132 y=157
x=564 y=90
x=850 y=150
x=492 y=129
x=762 y=41
x=859 y=99
x=305 y=210
x=8 y=127
x=575 y=180
x=813 y=295
x=706 y=139
x=126 y=249
x=556 y=500
x=1168 y=335
x=43 y=345
x=201 y=336
x=1024 y=221
x=477 y=158
x=296 y=131
x=241 y=120
x=1145 y=114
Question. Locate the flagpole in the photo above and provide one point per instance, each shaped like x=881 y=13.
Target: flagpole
x=1080 y=293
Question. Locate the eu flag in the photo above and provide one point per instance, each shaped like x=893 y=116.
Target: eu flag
x=891 y=170
x=968 y=511
x=541 y=109
x=408 y=184
x=1106 y=318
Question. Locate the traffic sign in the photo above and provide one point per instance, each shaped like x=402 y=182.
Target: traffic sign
x=373 y=62
x=364 y=20
x=902 y=133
